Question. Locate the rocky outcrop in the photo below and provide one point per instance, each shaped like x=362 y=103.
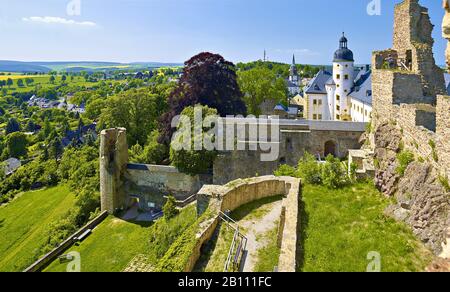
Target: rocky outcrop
x=422 y=202
x=387 y=145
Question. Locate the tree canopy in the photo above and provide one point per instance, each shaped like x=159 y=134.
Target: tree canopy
x=260 y=84
x=193 y=161
x=208 y=79
x=137 y=110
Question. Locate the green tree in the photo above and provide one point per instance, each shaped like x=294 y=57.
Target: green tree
x=48 y=93
x=94 y=108
x=17 y=144
x=12 y=126
x=55 y=148
x=20 y=82
x=9 y=82
x=52 y=79
x=259 y=85
x=29 y=81
x=155 y=152
x=136 y=110
x=186 y=158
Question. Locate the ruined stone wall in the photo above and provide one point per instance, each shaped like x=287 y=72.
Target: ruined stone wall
x=164 y=179
x=215 y=198
x=294 y=141
x=414 y=45
x=443 y=131
x=410 y=115
x=113 y=164
x=119 y=179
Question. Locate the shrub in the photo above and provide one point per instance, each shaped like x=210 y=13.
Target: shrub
x=334 y=175
x=170 y=208
x=353 y=169
x=404 y=159
x=309 y=169
x=286 y=170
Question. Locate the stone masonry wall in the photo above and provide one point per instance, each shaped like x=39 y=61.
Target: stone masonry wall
x=412 y=32
x=116 y=175
x=443 y=131
x=237 y=193
x=232 y=165
x=164 y=179
x=410 y=114
x=113 y=164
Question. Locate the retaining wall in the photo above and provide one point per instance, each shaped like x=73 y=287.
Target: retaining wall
x=240 y=192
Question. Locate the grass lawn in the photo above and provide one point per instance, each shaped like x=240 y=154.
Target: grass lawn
x=255 y=210
x=268 y=256
x=115 y=243
x=340 y=228
x=24 y=221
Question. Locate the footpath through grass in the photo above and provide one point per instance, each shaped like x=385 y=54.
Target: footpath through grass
x=24 y=222
x=340 y=228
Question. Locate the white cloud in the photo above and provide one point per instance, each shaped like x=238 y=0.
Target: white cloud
x=58 y=20
x=300 y=52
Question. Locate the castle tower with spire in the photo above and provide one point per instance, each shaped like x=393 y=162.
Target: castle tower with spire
x=343 y=76
x=294 y=82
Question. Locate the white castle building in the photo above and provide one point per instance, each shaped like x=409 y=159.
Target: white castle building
x=343 y=95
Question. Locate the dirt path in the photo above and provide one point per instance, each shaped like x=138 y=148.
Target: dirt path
x=255 y=228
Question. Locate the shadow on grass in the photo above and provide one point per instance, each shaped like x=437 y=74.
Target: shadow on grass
x=207 y=251
x=1 y=222
x=144 y=224
x=246 y=209
x=303 y=226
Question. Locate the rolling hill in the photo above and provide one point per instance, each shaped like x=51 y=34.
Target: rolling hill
x=45 y=67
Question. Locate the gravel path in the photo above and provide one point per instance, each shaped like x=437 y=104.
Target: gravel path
x=258 y=227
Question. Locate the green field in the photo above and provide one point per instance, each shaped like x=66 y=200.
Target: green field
x=24 y=222
x=341 y=227
x=43 y=81
x=115 y=243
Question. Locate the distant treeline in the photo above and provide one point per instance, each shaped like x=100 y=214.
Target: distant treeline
x=281 y=69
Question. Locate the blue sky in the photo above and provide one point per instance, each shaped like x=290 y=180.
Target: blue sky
x=174 y=30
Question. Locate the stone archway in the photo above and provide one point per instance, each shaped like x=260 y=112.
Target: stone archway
x=330 y=148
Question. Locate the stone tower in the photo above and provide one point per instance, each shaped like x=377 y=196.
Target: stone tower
x=413 y=43
x=113 y=164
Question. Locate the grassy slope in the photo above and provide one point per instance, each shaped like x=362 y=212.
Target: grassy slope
x=115 y=242
x=23 y=223
x=341 y=227
x=110 y=248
